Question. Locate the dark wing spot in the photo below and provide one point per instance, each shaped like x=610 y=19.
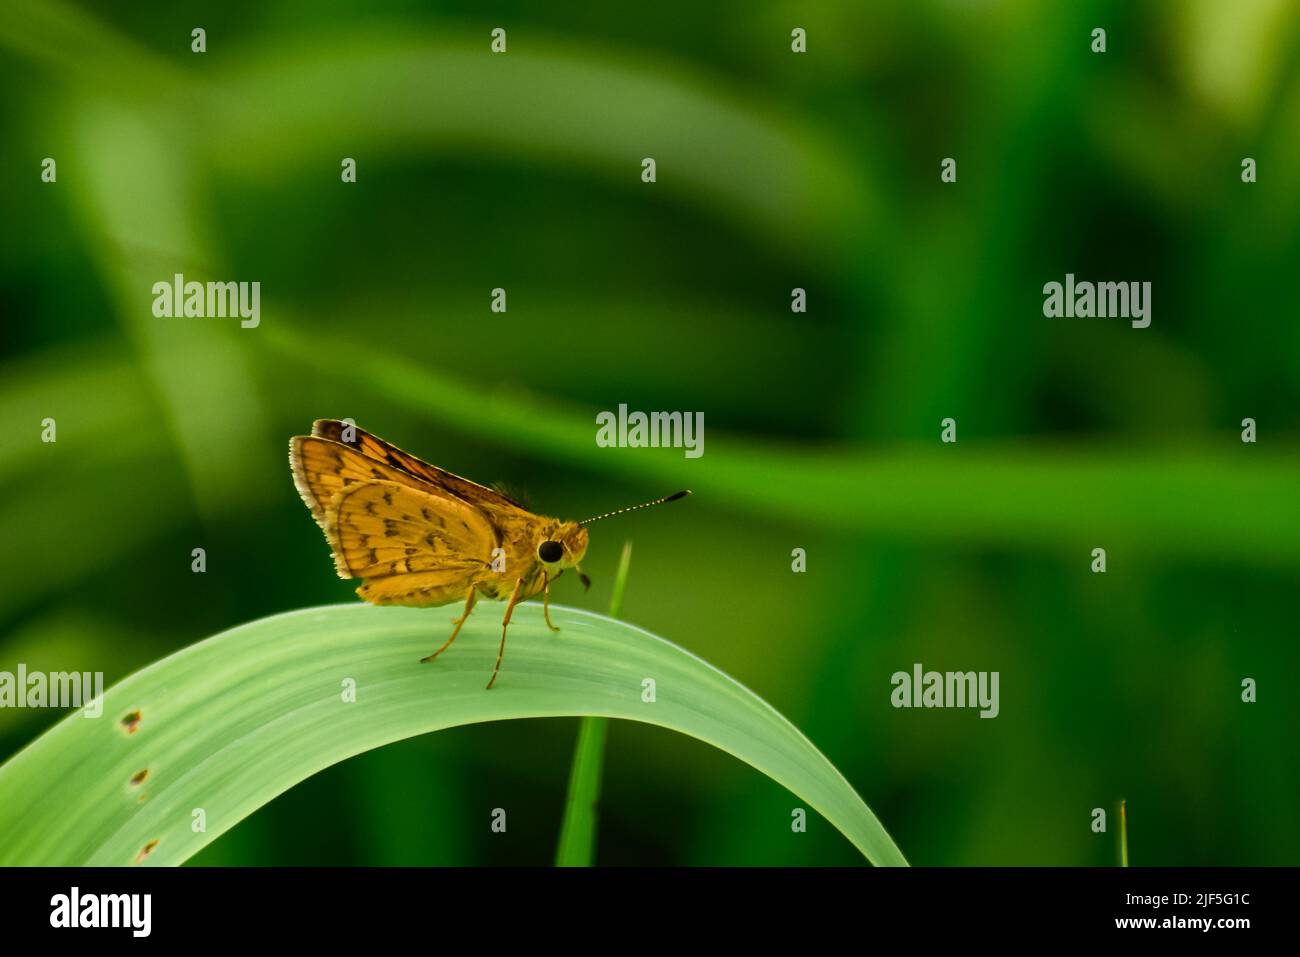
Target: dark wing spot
x=425 y=513
x=374 y=558
x=370 y=508
x=377 y=474
x=388 y=497
x=390 y=528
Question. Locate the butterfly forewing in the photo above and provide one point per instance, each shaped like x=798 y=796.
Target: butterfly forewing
x=322 y=468
x=377 y=450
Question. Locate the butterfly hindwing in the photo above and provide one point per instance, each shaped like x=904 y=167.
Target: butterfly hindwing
x=385 y=529
x=420 y=589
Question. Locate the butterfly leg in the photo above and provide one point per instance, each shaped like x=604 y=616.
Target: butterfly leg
x=546 y=601
x=469 y=606
x=505 y=622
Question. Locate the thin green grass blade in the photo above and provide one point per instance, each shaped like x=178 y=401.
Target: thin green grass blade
x=1123 y=833
x=577 y=847
x=620 y=580
x=229 y=723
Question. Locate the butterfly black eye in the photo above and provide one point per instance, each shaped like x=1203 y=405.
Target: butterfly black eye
x=550 y=551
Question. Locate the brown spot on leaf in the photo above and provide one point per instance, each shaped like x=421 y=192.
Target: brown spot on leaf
x=131 y=721
x=146 y=850
x=138 y=778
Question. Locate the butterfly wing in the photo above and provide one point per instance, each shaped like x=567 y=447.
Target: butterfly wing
x=412 y=547
x=322 y=468
x=419 y=589
x=377 y=529
x=417 y=534
x=379 y=451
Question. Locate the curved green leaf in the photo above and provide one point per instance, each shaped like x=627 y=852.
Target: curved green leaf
x=229 y=723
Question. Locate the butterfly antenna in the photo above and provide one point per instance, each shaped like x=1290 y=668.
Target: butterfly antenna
x=632 y=508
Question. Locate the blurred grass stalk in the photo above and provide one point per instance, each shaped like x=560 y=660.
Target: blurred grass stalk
x=1008 y=494
x=577 y=847
x=1123 y=833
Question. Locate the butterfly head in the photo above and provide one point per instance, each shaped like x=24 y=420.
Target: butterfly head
x=563 y=548
x=565 y=544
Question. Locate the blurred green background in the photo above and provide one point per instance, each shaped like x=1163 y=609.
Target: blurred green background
x=775 y=171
